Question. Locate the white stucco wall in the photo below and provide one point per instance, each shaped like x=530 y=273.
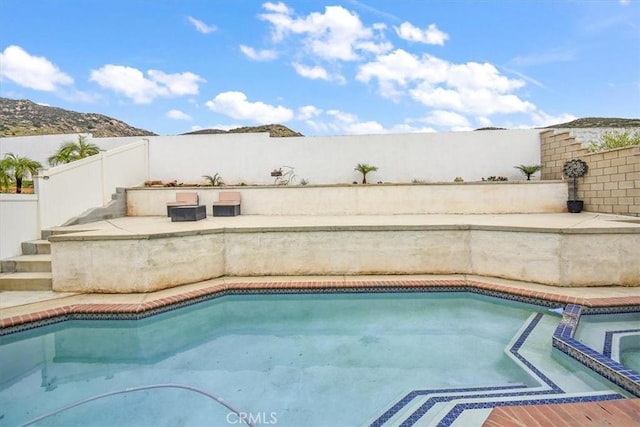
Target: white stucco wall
x=250 y=158
x=18 y=222
x=432 y=157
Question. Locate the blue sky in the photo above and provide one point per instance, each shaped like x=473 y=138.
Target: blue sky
x=325 y=68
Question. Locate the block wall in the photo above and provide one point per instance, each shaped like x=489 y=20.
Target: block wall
x=612 y=184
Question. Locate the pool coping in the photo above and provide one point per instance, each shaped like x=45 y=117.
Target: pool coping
x=153 y=306
x=66 y=309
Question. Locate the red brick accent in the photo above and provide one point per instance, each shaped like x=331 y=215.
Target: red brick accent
x=215 y=289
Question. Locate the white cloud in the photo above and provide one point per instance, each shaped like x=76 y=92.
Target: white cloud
x=308 y=112
x=133 y=84
x=396 y=70
x=277 y=7
x=447 y=119
x=34 y=72
x=313 y=73
x=236 y=105
x=178 y=115
x=474 y=101
x=343 y=123
x=177 y=84
x=430 y=35
x=625 y=2
x=542 y=119
x=484 y=122
x=471 y=87
x=350 y=124
x=201 y=26
x=336 y=34
x=407 y=128
x=260 y=55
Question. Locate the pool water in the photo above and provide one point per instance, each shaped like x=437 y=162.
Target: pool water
x=630 y=352
x=616 y=336
x=289 y=360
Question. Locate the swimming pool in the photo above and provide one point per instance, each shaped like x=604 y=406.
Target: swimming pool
x=291 y=360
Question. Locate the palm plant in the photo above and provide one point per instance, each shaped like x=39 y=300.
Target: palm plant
x=528 y=170
x=364 y=169
x=17 y=167
x=71 y=151
x=5 y=177
x=214 y=181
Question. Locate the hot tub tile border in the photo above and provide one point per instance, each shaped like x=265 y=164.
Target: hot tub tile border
x=563 y=339
x=608 y=339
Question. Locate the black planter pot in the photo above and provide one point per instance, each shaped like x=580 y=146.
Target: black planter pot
x=575 y=206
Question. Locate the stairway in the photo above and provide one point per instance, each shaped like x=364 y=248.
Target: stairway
x=30 y=271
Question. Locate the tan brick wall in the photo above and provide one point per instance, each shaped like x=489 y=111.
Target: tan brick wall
x=612 y=184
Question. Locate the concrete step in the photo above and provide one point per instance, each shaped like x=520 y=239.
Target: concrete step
x=40 y=281
x=27 y=264
x=36 y=247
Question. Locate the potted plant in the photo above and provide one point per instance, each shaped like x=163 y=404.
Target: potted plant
x=574 y=169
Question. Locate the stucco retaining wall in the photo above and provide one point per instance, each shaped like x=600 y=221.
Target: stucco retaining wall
x=136 y=264
x=144 y=263
x=374 y=199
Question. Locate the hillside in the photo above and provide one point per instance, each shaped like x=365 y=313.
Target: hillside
x=599 y=122
x=23 y=117
x=275 y=131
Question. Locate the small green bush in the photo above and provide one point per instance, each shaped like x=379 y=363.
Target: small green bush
x=614 y=139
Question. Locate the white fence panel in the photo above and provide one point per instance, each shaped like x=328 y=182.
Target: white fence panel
x=125 y=166
x=18 y=222
x=69 y=190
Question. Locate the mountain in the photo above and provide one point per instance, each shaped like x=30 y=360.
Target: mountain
x=274 y=131
x=599 y=122
x=21 y=117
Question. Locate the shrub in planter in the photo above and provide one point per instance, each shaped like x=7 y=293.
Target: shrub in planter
x=364 y=169
x=528 y=170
